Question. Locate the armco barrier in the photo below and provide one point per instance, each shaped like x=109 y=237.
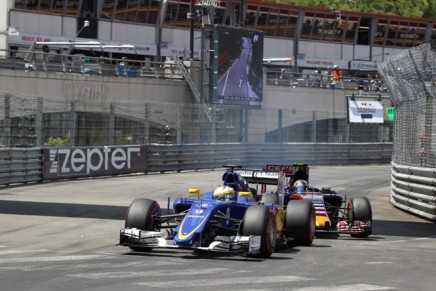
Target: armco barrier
x=20 y=166
x=413 y=189
x=164 y=158
x=27 y=165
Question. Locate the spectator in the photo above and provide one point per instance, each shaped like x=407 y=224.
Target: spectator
x=337 y=77
x=337 y=74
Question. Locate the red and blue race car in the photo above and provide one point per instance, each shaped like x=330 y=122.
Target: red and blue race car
x=230 y=218
x=334 y=213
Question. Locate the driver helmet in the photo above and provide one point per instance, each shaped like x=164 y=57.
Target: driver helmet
x=300 y=186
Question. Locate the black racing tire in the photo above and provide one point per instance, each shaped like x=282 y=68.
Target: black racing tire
x=259 y=220
x=270 y=198
x=300 y=221
x=140 y=215
x=359 y=208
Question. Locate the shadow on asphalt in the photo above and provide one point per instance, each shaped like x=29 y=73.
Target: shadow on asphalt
x=64 y=210
x=380 y=227
x=403 y=228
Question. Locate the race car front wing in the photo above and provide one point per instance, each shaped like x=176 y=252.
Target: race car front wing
x=355 y=227
x=133 y=237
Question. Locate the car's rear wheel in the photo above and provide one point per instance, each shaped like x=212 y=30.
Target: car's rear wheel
x=300 y=221
x=359 y=209
x=141 y=215
x=259 y=221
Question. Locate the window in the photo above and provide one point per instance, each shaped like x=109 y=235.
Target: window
x=292 y=24
x=148 y=11
x=44 y=5
x=107 y=9
x=58 y=7
x=120 y=10
x=308 y=23
x=318 y=26
x=72 y=7
x=176 y=15
x=380 y=34
x=351 y=28
x=132 y=10
x=250 y=17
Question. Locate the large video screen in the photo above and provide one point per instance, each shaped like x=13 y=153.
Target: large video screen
x=238 y=63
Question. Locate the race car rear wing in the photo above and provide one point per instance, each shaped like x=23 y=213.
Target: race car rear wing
x=277 y=178
x=259 y=176
x=269 y=173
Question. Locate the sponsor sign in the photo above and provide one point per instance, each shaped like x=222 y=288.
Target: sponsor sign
x=258 y=174
x=77 y=162
x=365 y=110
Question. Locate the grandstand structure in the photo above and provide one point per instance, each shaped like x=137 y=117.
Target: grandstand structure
x=313 y=37
x=93 y=103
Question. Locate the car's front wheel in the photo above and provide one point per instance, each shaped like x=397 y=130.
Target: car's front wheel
x=142 y=215
x=359 y=209
x=259 y=221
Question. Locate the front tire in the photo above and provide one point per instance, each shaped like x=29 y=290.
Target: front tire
x=359 y=208
x=141 y=215
x=300 y=221
x=259 y=221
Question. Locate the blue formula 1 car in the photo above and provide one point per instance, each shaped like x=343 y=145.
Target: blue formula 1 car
x=227 y=219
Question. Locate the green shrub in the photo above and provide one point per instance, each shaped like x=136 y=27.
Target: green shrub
x=56 y=141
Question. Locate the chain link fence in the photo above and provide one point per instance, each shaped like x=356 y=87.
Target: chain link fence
x=35 y=121
x=410 y=77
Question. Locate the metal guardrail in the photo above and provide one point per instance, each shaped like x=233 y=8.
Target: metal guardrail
x=164 y=158
x=20 y=166
x=413 y=189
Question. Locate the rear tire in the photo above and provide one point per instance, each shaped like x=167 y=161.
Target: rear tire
x=259 y=221
x=359 y=208
x=300 y=221
x=141 y=216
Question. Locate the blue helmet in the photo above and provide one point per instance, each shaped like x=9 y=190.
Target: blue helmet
x=300 y=186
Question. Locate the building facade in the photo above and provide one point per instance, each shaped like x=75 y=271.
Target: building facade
x=313 y=37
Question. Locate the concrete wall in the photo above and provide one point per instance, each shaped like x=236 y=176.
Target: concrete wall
x=102 y=90
x=87 y=88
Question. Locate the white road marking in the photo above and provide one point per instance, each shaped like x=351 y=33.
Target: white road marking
x=76 y=267
x=155 y=273
x=227 y=281
x=354 y=287
x=48 y=259
x=378 y=263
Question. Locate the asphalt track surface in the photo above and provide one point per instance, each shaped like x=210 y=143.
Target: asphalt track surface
x=63 y=236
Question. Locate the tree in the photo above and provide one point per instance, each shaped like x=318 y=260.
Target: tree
x=416 y=8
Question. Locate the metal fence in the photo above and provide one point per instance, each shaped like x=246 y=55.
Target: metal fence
x=410 y=76
x=39 y=61
x=34 y=121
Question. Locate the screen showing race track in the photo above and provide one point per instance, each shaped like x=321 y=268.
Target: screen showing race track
x=239 y=66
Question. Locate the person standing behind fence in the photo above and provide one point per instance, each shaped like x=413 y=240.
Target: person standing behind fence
x=336 y=75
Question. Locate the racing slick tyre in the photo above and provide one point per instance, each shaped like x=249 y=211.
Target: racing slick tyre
x=141 y=216
x=259 y=220
x=270 y=198
x=359 y=209
x=300 y=221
